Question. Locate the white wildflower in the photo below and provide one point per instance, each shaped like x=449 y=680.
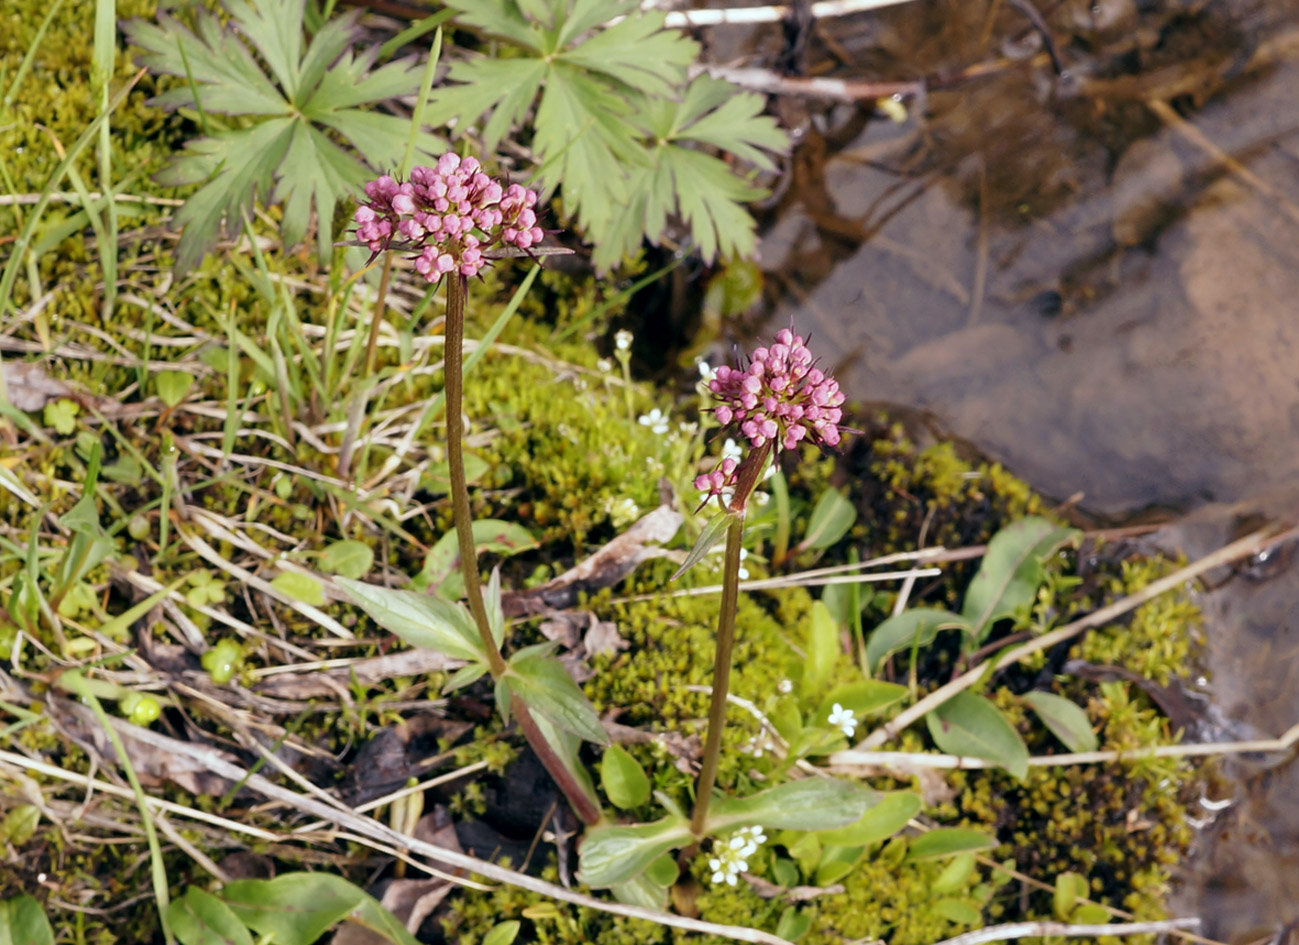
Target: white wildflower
x=732 y=857
x=604 y=365
x=785 y=687
x=706 y=371
x=622 y=340
x=656 y=420
x=843 y=719
x=731 y=450
x=743 y=573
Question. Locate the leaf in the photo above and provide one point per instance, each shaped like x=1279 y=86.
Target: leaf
x=822 y=649
x=707 y=539
x=546 y=688
x=814 y=804
x=623 y=779
x=294 y=909
x=916 y=627
x=348 y=558
x=172 y=386
x=968 y=724
x=494 y=536
x=947 y=841
x=960 y=911
x=830 y=521
x=890 y=813
x=794 y=924
x=286 y=154
x=23 y=922
x=19 y=824
x=420 y=619
x=1066 y=720
x=611 y=855
x=300 y=587
x=503 y=933
x=1069 y=889
x=1007 y=582
x=864 y=698
x=200 y=918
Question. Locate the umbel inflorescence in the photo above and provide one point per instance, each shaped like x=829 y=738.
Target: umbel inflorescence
x=781 y=399
x=448 y=216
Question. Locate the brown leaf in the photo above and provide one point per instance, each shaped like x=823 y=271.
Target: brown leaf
x=28 y=387
x=318 y=684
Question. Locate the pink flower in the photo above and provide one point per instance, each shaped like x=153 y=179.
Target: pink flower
x=448 y=215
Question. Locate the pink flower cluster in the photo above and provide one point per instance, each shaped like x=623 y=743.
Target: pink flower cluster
x=781 y=398
x=449 y=214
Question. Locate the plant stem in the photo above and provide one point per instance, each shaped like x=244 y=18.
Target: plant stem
x=582 y=803
x=373 y=341
x=460 y=512
x=721 y=672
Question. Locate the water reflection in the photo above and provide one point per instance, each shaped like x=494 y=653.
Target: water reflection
x=1094 y=280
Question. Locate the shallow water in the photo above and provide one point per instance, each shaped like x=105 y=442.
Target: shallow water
x=1092 y=278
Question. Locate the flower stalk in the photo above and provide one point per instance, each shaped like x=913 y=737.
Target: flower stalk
x=781 y=399
x=449 y=217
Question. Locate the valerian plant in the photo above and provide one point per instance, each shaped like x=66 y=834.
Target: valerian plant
x=618 y=129
x=289 y=105
x=450 y=219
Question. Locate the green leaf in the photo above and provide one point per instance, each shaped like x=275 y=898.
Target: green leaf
x=707 y=540
x=23 y=922
x=1066 y=720
x=172 y=386
x=294 y=909
x=968 y=724
x=300 y=95
x=611 y=855
x=948 y=841
x=887 y=816
x=299 y=587
x=1011 y=573
x=420 y=619
x=822 y=649
x=465 y=676
x=830 y=521
x=637 y=52
x=954 y=874
x=623 y=779
x=545 y=686
x=503 y=933
x=20 y=823
x=1069 y=889
x=916 y=627
x=960 y=911
x=347 y=558
x=864 y=698
x=200 y=918
x=442 y=562
x=813 y=804
x=794 y=924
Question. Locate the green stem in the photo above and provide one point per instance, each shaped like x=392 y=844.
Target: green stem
x=721 y=673
x=457 y=287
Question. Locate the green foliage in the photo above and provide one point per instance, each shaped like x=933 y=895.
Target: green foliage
x=23 y=922
x=617 y=127
x=968 y=724
x=288 y=102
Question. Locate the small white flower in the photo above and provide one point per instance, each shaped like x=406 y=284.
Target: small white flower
x=622 y=340
x=843 y=719
x=743 y=573
x=731 y=450
x=785 y=687
x=761 y=498
x=656 y=420
x=757 y=746
x=706 y=371
x=605 y=365
x=732 y=857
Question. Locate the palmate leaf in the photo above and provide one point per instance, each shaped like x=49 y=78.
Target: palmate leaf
x=308 y=100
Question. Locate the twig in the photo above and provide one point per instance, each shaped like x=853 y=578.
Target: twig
x=839 y=90
x=904 y=759
x=681 y=19
x=1013 y=930
x=1241 y=548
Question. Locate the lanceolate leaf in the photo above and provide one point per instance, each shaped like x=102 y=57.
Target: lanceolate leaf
x=1067 y=721
x=1011 y=572
x=968 y=724
x=916 y=627
x=200 y=918
x=611 y=855
x=813 y=804
x=545 y=686
x=420 y=619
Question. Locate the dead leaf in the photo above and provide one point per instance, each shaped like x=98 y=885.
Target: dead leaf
x=410 y=900
x=28 y=387
x=603 y=638
x=605 y=568
x=770 y=890
x=317 y=684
